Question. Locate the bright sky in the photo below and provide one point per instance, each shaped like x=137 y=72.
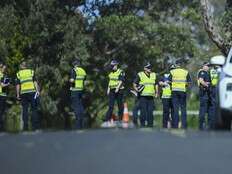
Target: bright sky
x=89 y=4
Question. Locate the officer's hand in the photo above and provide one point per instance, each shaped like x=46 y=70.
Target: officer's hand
x=136 y=89
x=165 y=83
x=116 y=90
x=71 y=80
x=5 y=84
x=38 y=93
x=108 y=92
x=156 y=95
x=207 y=84
x=18 y=97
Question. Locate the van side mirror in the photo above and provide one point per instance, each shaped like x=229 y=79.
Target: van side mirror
x=218 y=60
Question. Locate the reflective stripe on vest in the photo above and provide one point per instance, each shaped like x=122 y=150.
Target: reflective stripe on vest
x=114 y=79
x=167 y=93
x=148 y=82
x=214 y=77
x=179 y=79
x=25 y=77
x=1 y=92
x=79 y=80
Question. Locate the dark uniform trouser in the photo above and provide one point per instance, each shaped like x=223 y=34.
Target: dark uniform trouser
x=28 y=99
x=207 y=106
x=135 y=111
x=179 y=101
x=2 y=110
x=167 y=110
x=147 y=108
x=112 y=97
x=78 y=108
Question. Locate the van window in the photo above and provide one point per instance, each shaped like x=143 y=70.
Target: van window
x=229 y=87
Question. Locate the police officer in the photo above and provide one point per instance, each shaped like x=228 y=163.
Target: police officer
x=78 y=76
x=115 y=92
x=148 y=79
x=166 y=99
x=27 y=91
x=214 y=76
x=180 y=79
x=204 y=95
x=3 y=85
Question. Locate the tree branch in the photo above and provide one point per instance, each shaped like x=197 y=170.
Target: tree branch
x=211 y=28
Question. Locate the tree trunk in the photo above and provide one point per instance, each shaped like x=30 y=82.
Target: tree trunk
x=228 y=3
x=212 y=29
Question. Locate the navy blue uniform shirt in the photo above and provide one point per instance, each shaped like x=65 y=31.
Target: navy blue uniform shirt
x=3 y=80
x=206 y=77
x=165 y=79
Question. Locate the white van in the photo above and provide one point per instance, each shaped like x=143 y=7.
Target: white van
x=224 y=99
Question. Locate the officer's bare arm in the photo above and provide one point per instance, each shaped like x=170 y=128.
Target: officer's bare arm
x=135 y=87
x=108 y=90
x=18 y=90
x=36 y=86
x=71 y=80
x=156 y=90
x=4 y=85
x=162 y=83
x=203 y=83
x=119 y=85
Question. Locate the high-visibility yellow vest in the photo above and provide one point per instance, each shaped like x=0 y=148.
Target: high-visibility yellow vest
x=214 y=77
x=25 y=77
x=148 y=82
x=1 y=92
x=179 y=79
x=166 y=91
x=79 y=81
x=114 y=79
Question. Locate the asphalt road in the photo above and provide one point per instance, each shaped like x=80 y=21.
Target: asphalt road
x=116 y=151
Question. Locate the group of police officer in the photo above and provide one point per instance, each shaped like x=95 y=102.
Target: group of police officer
x=146 y=85
x=173 y=84
x=27 y=91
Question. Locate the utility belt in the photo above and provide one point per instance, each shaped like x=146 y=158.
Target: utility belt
x=146 y=97
x=213 y=87
x=203 y=88
x=205 y=92
x=120 y=90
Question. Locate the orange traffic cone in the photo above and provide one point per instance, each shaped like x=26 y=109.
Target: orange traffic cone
x=125 y=117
